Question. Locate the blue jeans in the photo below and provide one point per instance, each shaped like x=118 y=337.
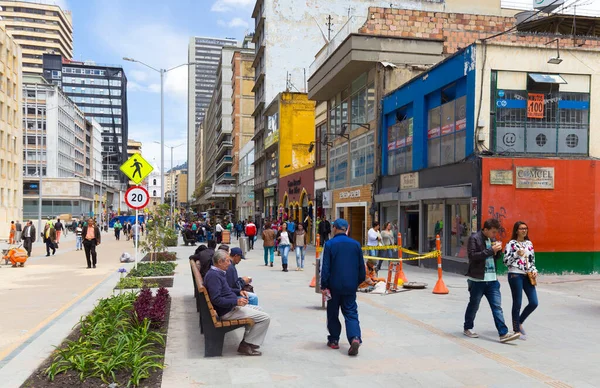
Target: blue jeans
x=252 y=298
x=350 y=312
x=491 y=290
x=285 y=251
x=79 y=242
x=300 y=257
x=519 y=283
x=269 y=252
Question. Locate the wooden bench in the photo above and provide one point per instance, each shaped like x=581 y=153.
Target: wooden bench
x=187 y=241
x=213 y=328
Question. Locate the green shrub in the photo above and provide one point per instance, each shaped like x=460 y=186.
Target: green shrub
x=111 y=340
x=159 y=268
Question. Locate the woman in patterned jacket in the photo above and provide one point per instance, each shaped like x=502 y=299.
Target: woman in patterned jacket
x=519 y=257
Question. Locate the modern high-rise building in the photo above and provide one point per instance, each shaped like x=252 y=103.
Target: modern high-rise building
x=205 y=53
x=100 y=91
x=11 y=143
x=38 y=29
x=59 y=146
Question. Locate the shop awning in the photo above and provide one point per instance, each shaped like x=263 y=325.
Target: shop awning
x=547 y=78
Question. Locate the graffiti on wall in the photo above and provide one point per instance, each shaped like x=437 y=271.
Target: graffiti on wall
x=499 y=215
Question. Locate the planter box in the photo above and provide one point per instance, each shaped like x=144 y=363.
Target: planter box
x=161 y=257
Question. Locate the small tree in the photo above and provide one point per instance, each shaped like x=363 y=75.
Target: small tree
x=157 y=227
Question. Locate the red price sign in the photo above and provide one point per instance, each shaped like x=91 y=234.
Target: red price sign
x=535 y=106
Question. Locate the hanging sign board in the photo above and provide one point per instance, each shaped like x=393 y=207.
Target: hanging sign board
x=535 y=106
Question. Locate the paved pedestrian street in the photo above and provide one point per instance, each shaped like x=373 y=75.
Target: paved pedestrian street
x=411 y=339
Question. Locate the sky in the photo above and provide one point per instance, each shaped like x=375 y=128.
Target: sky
x=157 y=33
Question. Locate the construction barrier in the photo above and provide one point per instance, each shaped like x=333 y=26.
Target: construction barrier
x=440 y=286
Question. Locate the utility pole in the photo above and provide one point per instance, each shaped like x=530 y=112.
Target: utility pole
x=329 y=24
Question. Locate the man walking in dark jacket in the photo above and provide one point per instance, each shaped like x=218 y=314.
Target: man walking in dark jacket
x=343 y=269
x=483 y=251
x=28 y=237
x=324 y=230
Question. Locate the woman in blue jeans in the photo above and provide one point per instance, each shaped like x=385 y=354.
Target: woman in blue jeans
x=519 y=257
x=284 y=238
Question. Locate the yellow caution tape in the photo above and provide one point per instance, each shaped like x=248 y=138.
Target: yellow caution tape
x=367 y=248
x=430 y=255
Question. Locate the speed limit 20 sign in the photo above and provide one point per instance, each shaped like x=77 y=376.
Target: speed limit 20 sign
x=137 y=197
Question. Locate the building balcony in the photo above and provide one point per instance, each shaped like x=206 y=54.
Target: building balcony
x=225 y=177
x=224 y=146
x=221 y=135
x=273 y=138
x=259 y=80
x=256 y=11
x=350 y=54
x=224 y=162
x=259 y=54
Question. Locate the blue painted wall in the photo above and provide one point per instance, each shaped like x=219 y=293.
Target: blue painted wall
x=424 y=93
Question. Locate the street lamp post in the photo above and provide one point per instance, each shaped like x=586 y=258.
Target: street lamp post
x=162 y=116
x=104 y=157
x=171 y=182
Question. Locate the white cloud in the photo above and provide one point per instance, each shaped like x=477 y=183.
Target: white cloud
x=137 y=75
x=231 y=5
x=234 y=23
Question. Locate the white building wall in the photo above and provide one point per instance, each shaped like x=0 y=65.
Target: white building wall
x=97 y=151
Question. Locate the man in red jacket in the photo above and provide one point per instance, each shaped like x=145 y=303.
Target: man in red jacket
x=251 y=233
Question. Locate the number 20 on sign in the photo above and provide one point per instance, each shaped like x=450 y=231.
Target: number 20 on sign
x=535 y=106
x=137 y=197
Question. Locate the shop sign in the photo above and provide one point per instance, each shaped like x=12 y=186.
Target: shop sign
x=409 y=181
x=535 y=178
x=501 y=177
x=294 y=186
x=272 y=182
x=327 y=202
x=535 y=106
x=269 y=192
x=350 y=194
x=473 y=214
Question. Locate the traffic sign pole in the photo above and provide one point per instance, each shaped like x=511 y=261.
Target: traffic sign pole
x=136 y=240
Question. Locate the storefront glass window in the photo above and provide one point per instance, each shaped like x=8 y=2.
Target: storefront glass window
x=399 y=145
x=459 y=216
x=435 y=224
x=371 y=102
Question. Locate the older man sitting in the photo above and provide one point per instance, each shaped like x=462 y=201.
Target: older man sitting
x=238 y=284
x=228 y=306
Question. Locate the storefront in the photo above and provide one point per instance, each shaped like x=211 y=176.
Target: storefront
x=270 y=200
x=296 y=201
x=354 y=205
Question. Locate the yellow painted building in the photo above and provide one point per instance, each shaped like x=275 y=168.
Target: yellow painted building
x=296 y=133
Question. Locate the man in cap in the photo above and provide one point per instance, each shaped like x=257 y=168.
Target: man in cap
x=237 y=283
x=342 y=270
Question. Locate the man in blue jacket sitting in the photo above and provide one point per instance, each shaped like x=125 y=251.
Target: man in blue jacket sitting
x=343 y=269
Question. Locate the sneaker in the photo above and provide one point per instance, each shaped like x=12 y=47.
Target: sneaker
x=353 y=351
x=333 y=344
x=470 y=334
x=509 y=337
x=523 y=334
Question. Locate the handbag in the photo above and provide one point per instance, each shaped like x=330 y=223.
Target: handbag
x=248 y=288
x=532 y=279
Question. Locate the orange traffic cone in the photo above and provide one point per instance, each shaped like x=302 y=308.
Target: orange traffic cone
x=440 y=286
x=313 y=282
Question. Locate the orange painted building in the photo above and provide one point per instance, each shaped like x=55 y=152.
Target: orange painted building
x=563 y=220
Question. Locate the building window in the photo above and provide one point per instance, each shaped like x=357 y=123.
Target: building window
x=321 y=145
x=563 y=127
x=435 y=224
x=154 y=182
x=446 y=130
x=362 y=159
x=459 y=216
x=154 y=193
x=400 y=139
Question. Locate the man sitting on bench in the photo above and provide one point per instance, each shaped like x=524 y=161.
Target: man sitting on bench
x=228 y=306
x=237 y=283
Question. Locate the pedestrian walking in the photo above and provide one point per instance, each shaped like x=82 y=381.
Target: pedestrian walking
x=342 y=270
x=219 y=232
x=284 y=237
x=91 y=239
x=79 y=237
x=374 y=240
x=483 y=251
x=136 y=231
x=324 y=230
x=268 y=237
x=117 y=228
x=49 y=235
x=11 y=235
x=387 y=239
x=300 y=242
x=58 y=226
x=250 y=232
x=28 y=237
x=128 y=231
x=238 y=229
x=18 y=231
x=519 y=257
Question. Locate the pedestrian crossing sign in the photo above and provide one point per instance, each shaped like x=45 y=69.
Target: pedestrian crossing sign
x=136 y=168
